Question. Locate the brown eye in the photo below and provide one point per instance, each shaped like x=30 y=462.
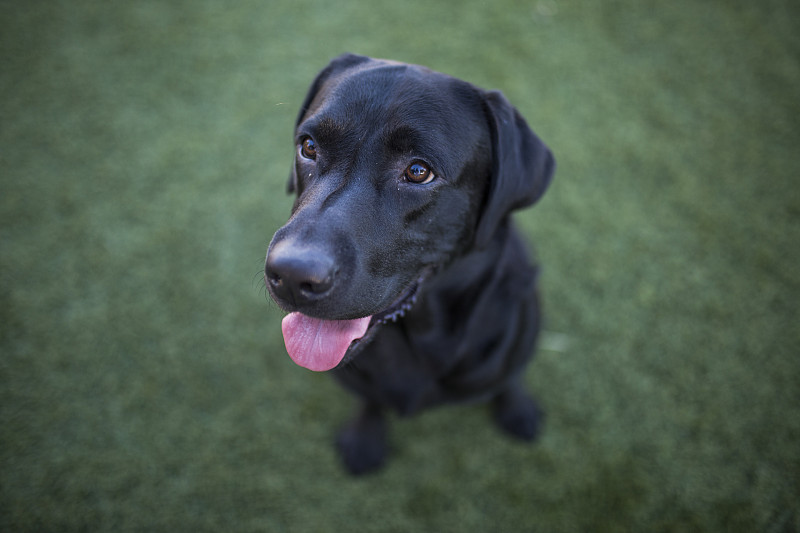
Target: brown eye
x=308 y=148
x=418 y=173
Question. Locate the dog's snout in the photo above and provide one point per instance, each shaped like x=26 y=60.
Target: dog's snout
x=298 y=274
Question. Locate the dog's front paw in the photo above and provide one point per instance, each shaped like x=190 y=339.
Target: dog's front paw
x=518 y=415
x=362 y=444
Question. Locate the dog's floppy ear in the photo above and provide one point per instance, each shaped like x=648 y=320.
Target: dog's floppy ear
x=337 y=65
x=522 y=166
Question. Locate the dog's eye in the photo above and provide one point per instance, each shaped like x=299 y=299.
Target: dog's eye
x=418 y=173
x=308 y=148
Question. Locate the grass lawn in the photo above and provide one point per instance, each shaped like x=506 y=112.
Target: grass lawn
x=144 y=386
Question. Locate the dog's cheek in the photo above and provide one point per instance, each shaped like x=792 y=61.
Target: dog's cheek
x=445 y=229
x=422 y=229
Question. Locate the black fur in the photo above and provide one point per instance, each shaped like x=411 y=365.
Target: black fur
x=366 y=237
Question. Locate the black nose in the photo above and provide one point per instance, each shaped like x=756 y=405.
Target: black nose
x=298 y=274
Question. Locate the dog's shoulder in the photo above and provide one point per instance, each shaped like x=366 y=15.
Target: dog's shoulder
x=490 y=320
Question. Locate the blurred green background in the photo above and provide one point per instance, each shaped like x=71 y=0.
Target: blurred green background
x=144 y=149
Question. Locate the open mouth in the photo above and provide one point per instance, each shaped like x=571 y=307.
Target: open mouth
x=321 y=345
x=399 y=308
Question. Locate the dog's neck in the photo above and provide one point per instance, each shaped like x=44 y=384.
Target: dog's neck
x=478 y=263
x=461 y=283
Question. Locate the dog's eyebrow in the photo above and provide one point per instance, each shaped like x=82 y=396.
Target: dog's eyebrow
x=325 y=129
x=406 y=139
x=403 y=139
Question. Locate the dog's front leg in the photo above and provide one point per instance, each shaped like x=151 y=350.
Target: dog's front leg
x=362 y=442
x=516 y=412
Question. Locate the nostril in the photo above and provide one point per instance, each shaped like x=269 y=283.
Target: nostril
x=313 y=287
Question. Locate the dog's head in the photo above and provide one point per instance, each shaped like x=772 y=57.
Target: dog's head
x=398 y=170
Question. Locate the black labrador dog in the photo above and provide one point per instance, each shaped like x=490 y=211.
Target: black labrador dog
x=399 y=266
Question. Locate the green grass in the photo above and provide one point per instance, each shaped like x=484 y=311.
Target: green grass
x=144 y=148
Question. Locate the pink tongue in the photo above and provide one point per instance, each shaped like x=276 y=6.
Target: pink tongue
x=320 y=344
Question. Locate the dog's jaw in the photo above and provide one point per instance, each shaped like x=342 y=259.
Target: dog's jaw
x=321 y=345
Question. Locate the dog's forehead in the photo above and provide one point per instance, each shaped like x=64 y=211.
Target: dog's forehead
x=397 y=95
